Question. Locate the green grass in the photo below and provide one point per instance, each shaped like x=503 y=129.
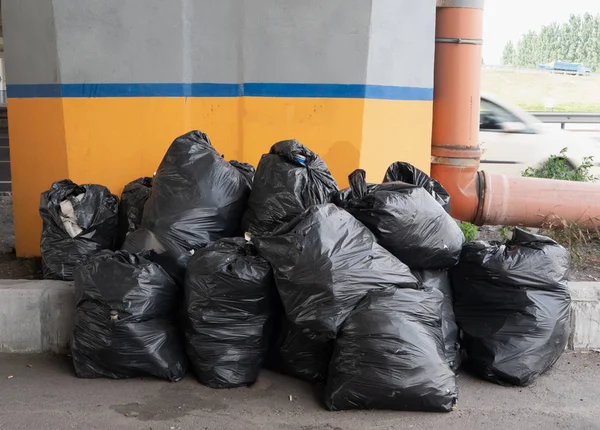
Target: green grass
x=531 y=90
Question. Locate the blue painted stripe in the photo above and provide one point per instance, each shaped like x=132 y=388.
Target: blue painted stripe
x=29 y=91
x=123 y=90
x=380 y=92
x=305 y=90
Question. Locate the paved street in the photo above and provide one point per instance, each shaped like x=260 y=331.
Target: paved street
x=48 y=396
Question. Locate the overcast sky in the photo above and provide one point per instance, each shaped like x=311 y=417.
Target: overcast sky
x=506 y=20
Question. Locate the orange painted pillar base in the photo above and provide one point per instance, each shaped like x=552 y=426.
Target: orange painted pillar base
x=352 y=83
x=112 y=141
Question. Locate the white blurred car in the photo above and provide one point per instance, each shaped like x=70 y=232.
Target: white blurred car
x=512 y=140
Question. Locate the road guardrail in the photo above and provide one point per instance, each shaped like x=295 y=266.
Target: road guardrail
x=563 y=118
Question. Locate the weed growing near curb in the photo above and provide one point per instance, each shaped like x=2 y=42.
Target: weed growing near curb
x=558 y=167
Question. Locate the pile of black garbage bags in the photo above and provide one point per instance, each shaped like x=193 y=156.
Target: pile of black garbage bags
x=369 y=291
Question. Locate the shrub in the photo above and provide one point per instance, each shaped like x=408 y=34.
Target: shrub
x=558 y=167
x=469 y=230
x=506 y=233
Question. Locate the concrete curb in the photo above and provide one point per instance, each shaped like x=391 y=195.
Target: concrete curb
x=585 y=318
x=38 y=316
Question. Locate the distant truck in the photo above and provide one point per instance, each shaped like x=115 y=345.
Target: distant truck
x=566 y=68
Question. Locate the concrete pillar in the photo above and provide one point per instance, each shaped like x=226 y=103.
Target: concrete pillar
x=98 y=89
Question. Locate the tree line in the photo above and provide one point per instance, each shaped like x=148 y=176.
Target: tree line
x=575 y=41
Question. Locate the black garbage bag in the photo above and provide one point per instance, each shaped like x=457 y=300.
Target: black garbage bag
x=228 y=288
x=197 y=197
x=440 y=280
x=169 y=254
x=302 y=353
x=324 y=263
x=245 y=169
x=289 y=179
x=125 y=325
x=405 y=172
x=131 y=207
x=78 y=221
x=390 y=355
x=407 y=221
x=512 y=303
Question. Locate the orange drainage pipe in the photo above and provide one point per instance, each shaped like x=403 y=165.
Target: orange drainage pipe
x=537 y=202
x=481 y=197
x=455 y=139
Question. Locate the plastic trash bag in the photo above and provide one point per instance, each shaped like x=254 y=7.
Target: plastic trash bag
x=289 y=179
x=228 y=288
x=169 y=254
x=512 y=303
x=125 y=325
x=324 y=263
x=245 y=169
x=301 y=353
x=440 y=280
x=131 y=207
x=197 y=197
x=78 y=221
x=407 y=221
x=405 y=172
x=389 y=355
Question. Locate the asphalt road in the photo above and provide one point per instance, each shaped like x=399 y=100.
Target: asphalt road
x=48 y=396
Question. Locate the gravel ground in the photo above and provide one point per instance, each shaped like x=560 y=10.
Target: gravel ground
x=7 y=233
x=12 y=267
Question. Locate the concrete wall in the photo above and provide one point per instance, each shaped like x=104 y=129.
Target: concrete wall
x=233 y=41
x=147 y=41
x=225 y=41
x=2 y=75
x=352 y=79
x=315 y=41
x=401 y=48
x=31 y=56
